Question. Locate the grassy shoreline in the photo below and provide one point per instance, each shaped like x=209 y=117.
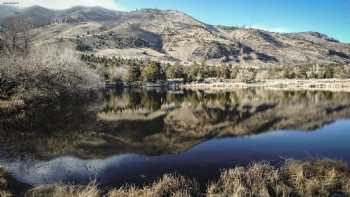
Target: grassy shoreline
x=276 y=84
x=293 y=178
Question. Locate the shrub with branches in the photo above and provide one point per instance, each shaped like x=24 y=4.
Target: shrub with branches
x=49 y=72
x=15 y=37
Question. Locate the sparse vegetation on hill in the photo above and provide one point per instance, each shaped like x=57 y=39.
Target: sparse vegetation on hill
x=293 y=178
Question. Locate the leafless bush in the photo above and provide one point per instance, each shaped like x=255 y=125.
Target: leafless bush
x=15 y=37
x=48 y=71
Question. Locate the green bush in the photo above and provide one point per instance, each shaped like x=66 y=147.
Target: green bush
x=153 y=72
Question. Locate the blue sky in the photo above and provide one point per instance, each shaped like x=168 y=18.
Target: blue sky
x=331 y=17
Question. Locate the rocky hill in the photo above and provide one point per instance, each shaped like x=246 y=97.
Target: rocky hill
x=173 y=36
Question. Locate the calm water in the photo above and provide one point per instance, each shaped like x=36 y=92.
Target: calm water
x=136 y=136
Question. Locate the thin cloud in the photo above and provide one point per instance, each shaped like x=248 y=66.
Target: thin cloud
x=64 y=4
x=271 y=29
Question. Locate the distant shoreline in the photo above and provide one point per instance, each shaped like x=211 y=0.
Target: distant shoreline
x=276 y=84
x=337 y=85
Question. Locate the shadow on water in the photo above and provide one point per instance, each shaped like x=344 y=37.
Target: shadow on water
x=135 y=136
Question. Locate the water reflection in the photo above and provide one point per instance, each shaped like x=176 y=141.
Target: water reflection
x=136 y=136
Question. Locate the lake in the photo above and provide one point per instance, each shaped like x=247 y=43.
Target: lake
x=136 y=136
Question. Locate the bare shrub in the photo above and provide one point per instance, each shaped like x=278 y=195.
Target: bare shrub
x=15 y=37
x=50 y=72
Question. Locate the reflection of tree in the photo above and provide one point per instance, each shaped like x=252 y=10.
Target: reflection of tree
x=158 y=122
x=34 y=128
x=176 y=98
x=134 y=100
x=152 y=100
x=59 y=115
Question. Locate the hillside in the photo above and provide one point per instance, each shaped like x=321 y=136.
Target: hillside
x=173 y=36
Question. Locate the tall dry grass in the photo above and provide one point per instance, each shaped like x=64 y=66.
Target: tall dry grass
x=294 y=178
x=168 y=185
x=318 y=178
x=65 y=191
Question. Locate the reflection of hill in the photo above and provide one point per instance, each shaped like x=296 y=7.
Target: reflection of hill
x=250 y=112
x=157 y=123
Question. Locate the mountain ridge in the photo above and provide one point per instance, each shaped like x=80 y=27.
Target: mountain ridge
x=173 y=36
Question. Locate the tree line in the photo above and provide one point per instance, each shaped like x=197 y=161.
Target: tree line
x=152 y=71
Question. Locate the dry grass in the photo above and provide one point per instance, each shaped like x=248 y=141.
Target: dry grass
x=318 y=178
x=294 y=178
x=169 y=185
x=5 y=104
x=65 y=191
x=5 y=194
x=10 y=104
x=259 y=179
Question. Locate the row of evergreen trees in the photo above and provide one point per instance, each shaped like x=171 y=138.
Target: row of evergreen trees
x=197 y=72
x=151 y=71
x=111 y=61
